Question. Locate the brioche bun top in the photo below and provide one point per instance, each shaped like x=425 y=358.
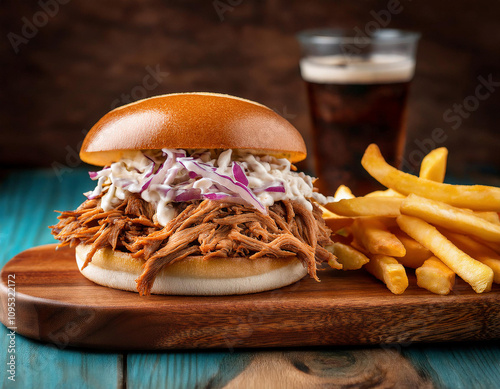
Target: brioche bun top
x=191 y=121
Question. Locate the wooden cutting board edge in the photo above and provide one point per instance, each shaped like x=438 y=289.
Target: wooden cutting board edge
x=289 y=317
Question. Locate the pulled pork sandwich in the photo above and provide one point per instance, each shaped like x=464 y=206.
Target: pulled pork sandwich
x=198 y=196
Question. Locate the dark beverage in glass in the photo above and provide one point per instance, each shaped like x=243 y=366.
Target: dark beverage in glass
x=355 y=101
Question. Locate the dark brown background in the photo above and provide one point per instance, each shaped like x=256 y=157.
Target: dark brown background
x=79 y=64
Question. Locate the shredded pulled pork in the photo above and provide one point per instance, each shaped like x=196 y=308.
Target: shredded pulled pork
x=208 y=228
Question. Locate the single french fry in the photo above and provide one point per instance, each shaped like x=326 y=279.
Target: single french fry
x=366 y=206
x=349 y=257
x=416 y=254
x=476 y=250
x=450 y=217
x=376 y=238
x=389 y=271
x=342 y=193
x=435 y=276
x=384 y=193
x=433 y=165
x=476 y=197
x=476 y=274
x=489 y=216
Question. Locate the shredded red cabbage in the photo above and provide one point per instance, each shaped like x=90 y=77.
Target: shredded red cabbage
x=163 y=189
x=239 y=174
x=216 y=196
x=160 y=176
x=146 y=184
x=272 y=188
x=226 y=181
x=188 y=195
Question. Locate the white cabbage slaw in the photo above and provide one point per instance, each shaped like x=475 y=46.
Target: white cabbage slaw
x=166 y=176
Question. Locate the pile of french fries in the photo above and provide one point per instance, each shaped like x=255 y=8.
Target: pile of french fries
x=438 y=229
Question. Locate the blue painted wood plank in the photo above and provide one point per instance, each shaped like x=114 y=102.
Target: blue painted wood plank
x=27 y=202
x=41 y=366
x=185 y=370
x=458 y=366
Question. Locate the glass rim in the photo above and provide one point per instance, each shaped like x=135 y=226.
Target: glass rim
x=339 y=36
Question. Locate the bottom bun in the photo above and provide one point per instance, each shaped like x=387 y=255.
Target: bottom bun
x=193 y=276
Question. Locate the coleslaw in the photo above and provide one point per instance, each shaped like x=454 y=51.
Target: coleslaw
x=164 y=177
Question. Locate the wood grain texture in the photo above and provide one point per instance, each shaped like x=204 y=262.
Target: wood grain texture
x=334 y=368
x=346 y=308
x=345 y=368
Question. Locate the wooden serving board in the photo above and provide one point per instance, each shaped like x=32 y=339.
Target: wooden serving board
x=56 y=304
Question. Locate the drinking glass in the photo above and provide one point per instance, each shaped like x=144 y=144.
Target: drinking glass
x=357 y=89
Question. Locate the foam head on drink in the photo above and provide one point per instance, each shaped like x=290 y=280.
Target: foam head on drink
x=340 y=69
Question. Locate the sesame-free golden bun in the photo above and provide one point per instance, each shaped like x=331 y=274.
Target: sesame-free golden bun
x=191 y=121
x=193 y=275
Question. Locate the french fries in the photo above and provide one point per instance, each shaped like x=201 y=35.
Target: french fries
x=477 y=251
x=349 y=257
x=476 y=197
x=433 y=165
x=384 y=193
x=389 y=271
x=342 y=193
x=492 y=245
x=334 y=221
x=435 y=276
x=416 y=254
x=492 y=217
x=475 y=273
x=366 y=206
x=441 y=230
x=449 y=217
x=358 y=246
x=375 y=237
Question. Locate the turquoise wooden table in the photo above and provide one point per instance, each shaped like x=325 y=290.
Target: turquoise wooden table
x=27 y=201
